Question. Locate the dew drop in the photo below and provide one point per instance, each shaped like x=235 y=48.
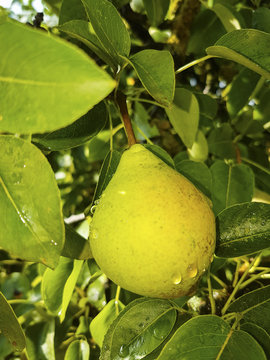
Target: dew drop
x=192 y=270
x=212 y=258
x=177 y=278
x=93 y=208
x=159 y=333
x=123 y=351
x=94 y=234
x=54 y=243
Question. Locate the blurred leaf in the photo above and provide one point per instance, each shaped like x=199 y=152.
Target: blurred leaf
x=75 y=247
x=246 y=125
x=155 y=69
x=248 y=47
x=109 y=28
x=208 y=336
x=96 y=290
x=82 y=31
x=261 y=19
x=55 y=5
x=141 y=123
x=161 y=153
x=260 y=335
x=255 y=307
x=220 y=142
x=50 y=91
x=108 y=168
x=99 y=146
x=40 y=340
x=241 y=89
x=156 y=10
x=5 y=347
x=243 y=229
x=78 y=133
x=198 y=173
x=231 y=184
x=139 y=329
x=184 y=115
x=79 y=350
x=208 y=106
x=9 y=325
x=229 y=17
x=71 y=10
x=101 y=323
x=199 y=149
x=31 y=227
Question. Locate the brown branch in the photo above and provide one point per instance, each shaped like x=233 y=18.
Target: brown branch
x=121 y=101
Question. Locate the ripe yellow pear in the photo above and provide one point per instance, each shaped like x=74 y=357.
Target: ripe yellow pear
x=153 y=232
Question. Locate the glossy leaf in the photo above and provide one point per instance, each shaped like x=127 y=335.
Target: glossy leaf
x=231 y=184
x=241 y=89
x=155 y=69
x=71 y=10
x=156 y=10
x=96 y=290
x=230 y=18
x=199 y=149
x=83 y=31
x=109 y=28
x=184 y=115
x=243 y=229
x=78 y=133
x=139 y=329
x=248 y=47
x=141 y=125
x=260 y=335
x=101 y=323
x=31 y=227
x=40 y=340
x=10 y=326
x=75 y=247
x=79 y=350
x=210 y=337
x=220 y=142
x=255 y=307
x=198 y=173
x=50 y=91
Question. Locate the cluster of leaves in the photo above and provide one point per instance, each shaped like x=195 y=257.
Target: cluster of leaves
x=61 y=141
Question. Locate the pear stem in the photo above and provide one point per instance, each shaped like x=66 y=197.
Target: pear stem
x=121 y=101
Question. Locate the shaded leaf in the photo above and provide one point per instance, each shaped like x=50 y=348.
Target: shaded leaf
x=243 y=229
x=10 y=326
x=141 y=126
x=155 y=69
x=31 y=227
x=109 y=28
x=248 y=47
x=75 y=247
x=139 y=329
x=231 y=184
x=156 y=10
x=220 y=142
x=261 y=19
x=71 y=10
x=40 y=340
x=198 y=173
x=161 y=153
x=50 y=91
x=79 y=350
x=260 y=335
x=184 y=115
x=78 y=133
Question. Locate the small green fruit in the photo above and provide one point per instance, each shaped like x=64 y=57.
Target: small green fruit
x=153 y=232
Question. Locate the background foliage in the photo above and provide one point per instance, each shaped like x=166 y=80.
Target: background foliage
x=195 y=75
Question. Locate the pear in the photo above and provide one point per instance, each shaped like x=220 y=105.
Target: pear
x=153 y=232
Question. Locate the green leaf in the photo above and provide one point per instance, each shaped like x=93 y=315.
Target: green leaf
x=71 y=10
x=231 y=184
x=241 y=89
x=198 y=173
x=75 y=247
x=31 y=228
x=155 y=69
x=220 y=142
x=82 y=31
x=230 y=18
x=142 y=128
x=49 y=91
x=255 y=307
x=208 y=336
x=156 y=10
x=243 y=229
x=101 y=323
x=108 y=168
x=208 y=105
x=109 y=28
x=260 y=335
x=40 y=340
x=161 y=153
x=96 y=290
x=78 y=133
x=9 y=325
x=199 y=149
x=139 y=329
x=248 y=47
x=184 y=115
x=79 y=350
x=261 y=19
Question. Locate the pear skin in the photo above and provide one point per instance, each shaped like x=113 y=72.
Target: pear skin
x=153 y=232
